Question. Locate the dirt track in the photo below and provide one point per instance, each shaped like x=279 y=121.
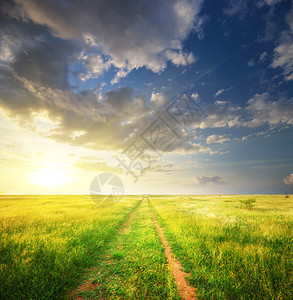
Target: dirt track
x=186 y=291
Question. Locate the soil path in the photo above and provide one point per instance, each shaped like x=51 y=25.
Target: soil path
x=185 y=291
x=88 y=285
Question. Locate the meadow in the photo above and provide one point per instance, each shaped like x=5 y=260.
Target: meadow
x=232 y=252
x=64 y=247
x=46 y=242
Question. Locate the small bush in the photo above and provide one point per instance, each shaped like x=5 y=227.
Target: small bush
x=287 y=196
x=248 y=203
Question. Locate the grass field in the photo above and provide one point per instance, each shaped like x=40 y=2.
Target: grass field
x=47 y=241
x=232 y=252
x=54 y=247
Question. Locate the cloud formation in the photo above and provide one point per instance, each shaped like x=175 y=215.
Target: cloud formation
x=218 y=138
x=263 y=57
x=265 y=111
x=220 y=115
x=44 y=44
x=219 y=92
x=131 y=34
x=95 y=120
x=208 y=180
x=288 y=180
x=108 y=121
x=283 y=53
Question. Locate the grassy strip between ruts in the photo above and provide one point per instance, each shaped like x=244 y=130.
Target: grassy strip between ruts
x=185 y=290
x=231 y=252
x=134 y=265
x=48 y=241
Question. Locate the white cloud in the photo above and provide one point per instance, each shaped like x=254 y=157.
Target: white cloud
x=251 y=63
x=122 y=73
x=192 y=163
x=218 y=138
x=132 y=34
x=263 y=57
x=199 y=26
x=219 y=116
x=6 y=54
x=195 y=96
x=179 y=58
x=108 y=121
x=264 y=111
x=288 y=180
x=158 y=99
x=94 y=66
x=283 y=53
x=219 y=92
x=220 y=102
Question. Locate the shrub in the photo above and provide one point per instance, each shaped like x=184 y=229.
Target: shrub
x=248 y=203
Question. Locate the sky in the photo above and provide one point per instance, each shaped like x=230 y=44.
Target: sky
x=172 y=96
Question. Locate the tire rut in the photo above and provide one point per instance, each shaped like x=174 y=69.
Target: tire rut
x=185 y=290
x=88 y=285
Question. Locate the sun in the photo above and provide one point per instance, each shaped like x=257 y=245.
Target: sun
x=50 y=176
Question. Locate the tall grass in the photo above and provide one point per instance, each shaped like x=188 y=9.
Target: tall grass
x=232 y=252
x=134 y=265
x=47 y=241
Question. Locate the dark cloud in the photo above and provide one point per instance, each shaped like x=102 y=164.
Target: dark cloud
x=131 y=33
x=42 y=41
x=208 y=180
x=31 y=52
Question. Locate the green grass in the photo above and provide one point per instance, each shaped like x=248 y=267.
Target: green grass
x=134 y=265
x=48 y=244
x=232 y=252
x=47 y=241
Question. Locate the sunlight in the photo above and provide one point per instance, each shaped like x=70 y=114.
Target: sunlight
x=50 y=176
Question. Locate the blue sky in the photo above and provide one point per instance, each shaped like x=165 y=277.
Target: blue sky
x=81 y=81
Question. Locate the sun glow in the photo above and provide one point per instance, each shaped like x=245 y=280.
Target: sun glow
x=50 y=176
